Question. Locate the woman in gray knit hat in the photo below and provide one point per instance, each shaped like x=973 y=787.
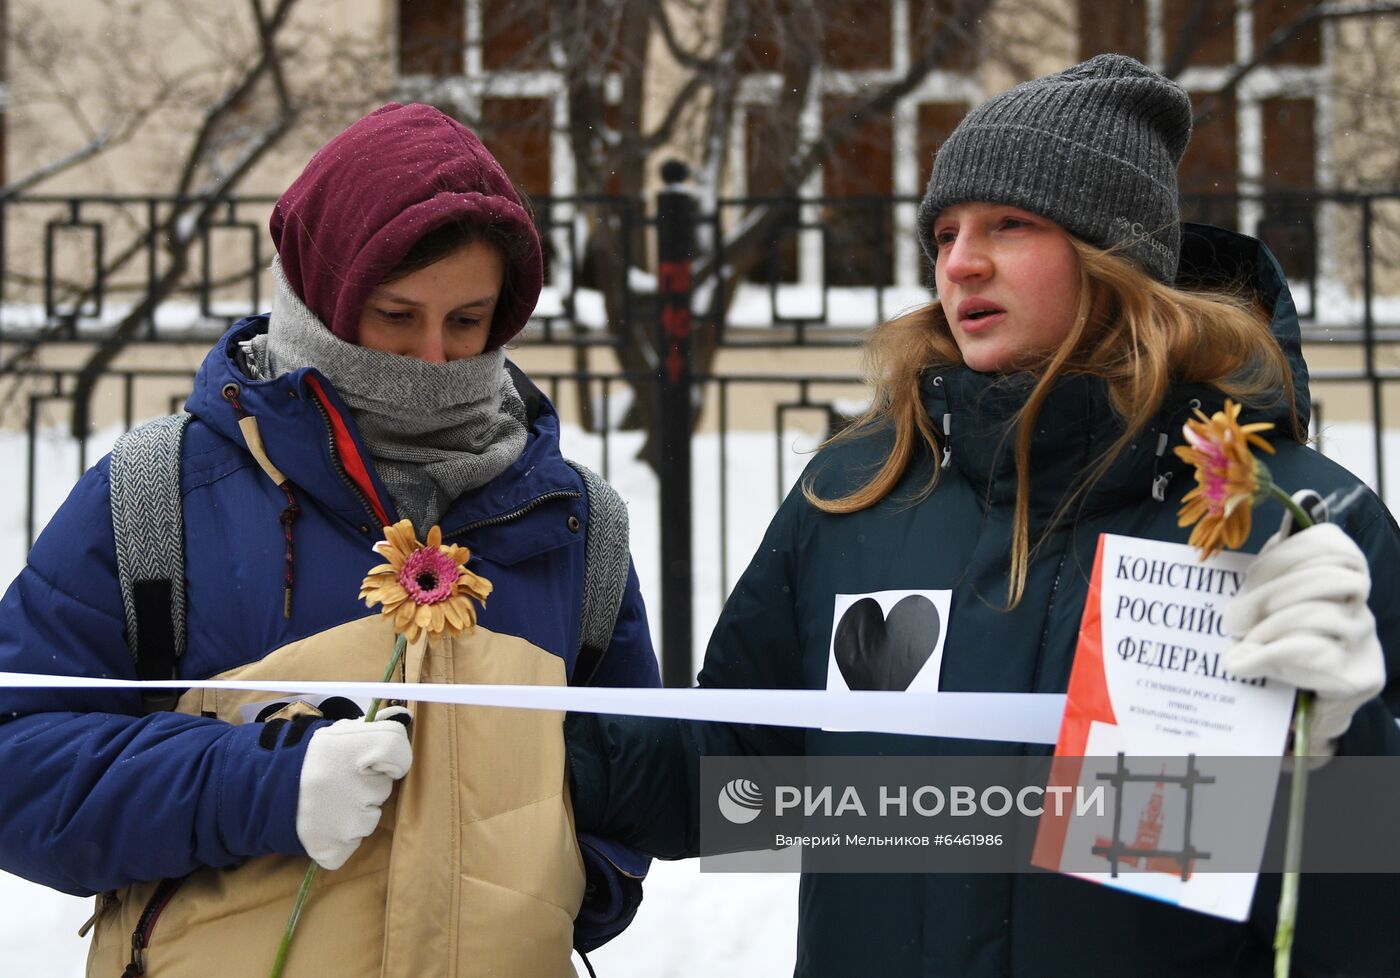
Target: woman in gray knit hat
x=946 y=540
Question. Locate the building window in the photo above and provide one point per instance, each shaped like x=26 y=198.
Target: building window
x=937 y=120
x=1112 y=28
x=1198 y=33
x=1209 y=174
x=1258 y=138
x=1289 y=224
x=855 y=34
x=1305 y=48
x=514 y=36
x=517 y=131
x=431 y=38
x=765 y=126
x=930 y=23
x=858 y=235
x=856 y=232
x=763 y=50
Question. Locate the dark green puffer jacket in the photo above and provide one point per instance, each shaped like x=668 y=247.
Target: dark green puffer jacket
x=636 y=779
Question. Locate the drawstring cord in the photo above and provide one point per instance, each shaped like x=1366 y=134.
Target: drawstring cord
x=947 y=429
x=286 y=518
x=249 y=426
x=947 y=439
x=1160 y=479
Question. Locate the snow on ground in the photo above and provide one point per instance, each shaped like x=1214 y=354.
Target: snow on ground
x=691 y=924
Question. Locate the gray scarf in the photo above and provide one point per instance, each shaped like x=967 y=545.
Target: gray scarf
x=434 y=430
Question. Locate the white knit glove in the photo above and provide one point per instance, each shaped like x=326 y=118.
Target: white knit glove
x=349 y=769
x=1301 y=617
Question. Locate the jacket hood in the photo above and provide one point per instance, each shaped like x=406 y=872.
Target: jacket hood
x=1078 y=422
x=1215 y=258
x=373 y=191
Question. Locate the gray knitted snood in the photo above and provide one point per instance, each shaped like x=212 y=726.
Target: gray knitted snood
x=433 y=430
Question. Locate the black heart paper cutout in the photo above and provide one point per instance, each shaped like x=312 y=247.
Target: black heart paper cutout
x=875 y=652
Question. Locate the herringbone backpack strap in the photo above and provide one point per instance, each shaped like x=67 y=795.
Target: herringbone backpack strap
x=148 y=523
x=607 y=558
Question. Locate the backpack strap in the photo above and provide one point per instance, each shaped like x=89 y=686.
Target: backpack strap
x=607 y=559
x=148 y=524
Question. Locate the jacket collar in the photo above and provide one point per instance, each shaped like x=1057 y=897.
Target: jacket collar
x=1078 y=423
x=311 y=437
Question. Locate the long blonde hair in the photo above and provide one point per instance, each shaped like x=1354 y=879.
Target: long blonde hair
x=1141 y=336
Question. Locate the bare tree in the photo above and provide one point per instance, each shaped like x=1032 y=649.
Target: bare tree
x=1306 y=16
x=641 y=79
x=1367 y=98
x=232 y=108
x=620 y=122
x=608 y=53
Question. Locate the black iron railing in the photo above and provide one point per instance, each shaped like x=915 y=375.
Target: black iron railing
x=650 y=314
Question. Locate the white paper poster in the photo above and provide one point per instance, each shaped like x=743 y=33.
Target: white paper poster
x=1148 y=683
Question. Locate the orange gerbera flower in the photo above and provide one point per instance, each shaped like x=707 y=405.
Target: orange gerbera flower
x=1228 y=478
x=424 y=587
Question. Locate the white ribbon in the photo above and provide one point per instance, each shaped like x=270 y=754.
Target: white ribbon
x=1030 y=718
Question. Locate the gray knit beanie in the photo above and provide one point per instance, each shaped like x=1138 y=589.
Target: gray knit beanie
x=1094 y=148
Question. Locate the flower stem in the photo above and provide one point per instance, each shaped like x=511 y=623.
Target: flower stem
x=280 y=961
x=1297 y=797
x=1293 y=844
x=1300 y=515
x=400 y=644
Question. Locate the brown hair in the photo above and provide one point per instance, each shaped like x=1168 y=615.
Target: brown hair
x=443 y=241
x=1141 y=336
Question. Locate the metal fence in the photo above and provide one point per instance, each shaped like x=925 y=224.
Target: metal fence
x=726 y=436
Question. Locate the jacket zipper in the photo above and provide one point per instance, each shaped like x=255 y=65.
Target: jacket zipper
x=516 y=513
x=104 y=903
x=145 y=927
x=339 y=469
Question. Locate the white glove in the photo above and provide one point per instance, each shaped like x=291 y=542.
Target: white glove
x=349 y=769
x=1301 y=617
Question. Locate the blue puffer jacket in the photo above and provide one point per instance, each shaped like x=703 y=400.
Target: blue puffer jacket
x=97 y=796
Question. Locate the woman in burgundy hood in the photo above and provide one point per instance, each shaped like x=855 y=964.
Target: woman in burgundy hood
x=376 y=390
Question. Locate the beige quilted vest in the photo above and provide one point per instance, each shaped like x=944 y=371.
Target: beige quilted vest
x=473 y=871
